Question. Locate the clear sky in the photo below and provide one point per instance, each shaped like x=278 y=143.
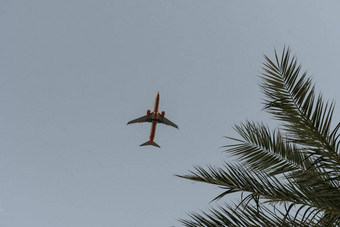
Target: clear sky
x=73 y=72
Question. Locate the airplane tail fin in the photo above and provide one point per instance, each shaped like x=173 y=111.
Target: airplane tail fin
x=148 y=143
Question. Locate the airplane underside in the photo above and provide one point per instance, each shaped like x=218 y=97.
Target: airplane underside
x=153 y=117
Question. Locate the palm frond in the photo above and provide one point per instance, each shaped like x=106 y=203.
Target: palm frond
x=237 y=178
x=296 y=168
x=265 y=150
x=270 y=152
x=290 y=97
x=251 y=215
x=310 y=191
x=234 y=216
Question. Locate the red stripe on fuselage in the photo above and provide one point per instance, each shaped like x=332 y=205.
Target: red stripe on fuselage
x=155 y=110
x=153 y=131
x=154 y=120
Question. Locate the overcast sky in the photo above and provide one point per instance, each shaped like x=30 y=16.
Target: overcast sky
x=73 y=72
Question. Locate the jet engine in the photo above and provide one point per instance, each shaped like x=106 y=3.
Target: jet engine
x=148 y=112
x=163 y=113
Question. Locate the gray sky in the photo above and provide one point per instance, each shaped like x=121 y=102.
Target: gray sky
x=73 y=72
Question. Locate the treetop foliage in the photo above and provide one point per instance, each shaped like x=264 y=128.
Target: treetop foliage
x=289 y=176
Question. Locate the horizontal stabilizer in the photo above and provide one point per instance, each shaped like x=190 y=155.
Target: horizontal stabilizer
x=148 y=143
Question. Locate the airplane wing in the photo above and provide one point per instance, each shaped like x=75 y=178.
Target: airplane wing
x=166 y=121
x=145 y=118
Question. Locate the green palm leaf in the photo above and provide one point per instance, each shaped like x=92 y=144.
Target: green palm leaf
x=265 y=150
x=289 y=176
x=291 y=99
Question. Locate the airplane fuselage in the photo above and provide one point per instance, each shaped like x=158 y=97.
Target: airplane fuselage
x=154 y=120
x=153 y=117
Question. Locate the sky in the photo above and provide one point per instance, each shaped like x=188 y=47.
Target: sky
x=73 y=72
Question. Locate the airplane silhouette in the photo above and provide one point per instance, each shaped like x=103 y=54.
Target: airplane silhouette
x=153 y=117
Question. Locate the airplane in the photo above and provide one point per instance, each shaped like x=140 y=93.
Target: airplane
x=154 y=118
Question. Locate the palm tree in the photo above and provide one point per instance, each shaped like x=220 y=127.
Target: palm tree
x=289 y=176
